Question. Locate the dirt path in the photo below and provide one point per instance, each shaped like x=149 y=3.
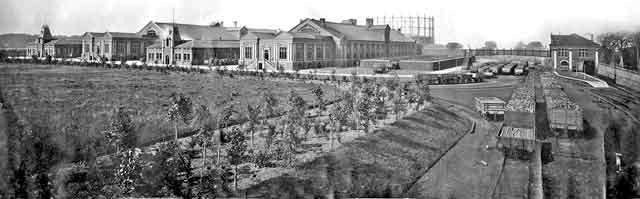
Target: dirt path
x=469 y=170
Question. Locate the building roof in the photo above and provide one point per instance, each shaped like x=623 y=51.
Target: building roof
x=300 y=35
x=361 y=33
x=572 y=40
x=65 y=41
x=199 y=32
x=95 y=34
x=123 y=35
x=209 y=44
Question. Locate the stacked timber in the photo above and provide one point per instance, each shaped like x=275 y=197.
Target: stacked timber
x=520 y=110
x=512 y=138
x=563 y=114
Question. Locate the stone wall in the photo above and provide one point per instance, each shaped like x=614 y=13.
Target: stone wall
x=624 y=77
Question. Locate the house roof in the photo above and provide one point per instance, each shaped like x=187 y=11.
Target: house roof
x=361 y=33
x=123 y=35
x=300 y=35
x=571 y=40
x=209 y=44
x=95 y=34
x=65 y=41
x=199 y=32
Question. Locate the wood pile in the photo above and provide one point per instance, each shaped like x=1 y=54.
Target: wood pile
x=522 y=100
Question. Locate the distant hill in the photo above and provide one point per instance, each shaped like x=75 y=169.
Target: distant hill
x=16 y=40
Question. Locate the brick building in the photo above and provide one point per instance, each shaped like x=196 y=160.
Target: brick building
x=574 y=52
x=319 y=43
x=188 y=44
x=114 y=46
x=47 y=45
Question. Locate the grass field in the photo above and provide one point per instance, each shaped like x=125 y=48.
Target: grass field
x=81 y=99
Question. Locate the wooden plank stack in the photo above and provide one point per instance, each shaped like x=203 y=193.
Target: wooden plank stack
x=563 y=114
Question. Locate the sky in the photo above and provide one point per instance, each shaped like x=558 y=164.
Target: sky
x=470 y=23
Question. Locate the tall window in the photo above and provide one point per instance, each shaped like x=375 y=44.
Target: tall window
x=248 y=52
x=135 y=47
x=309 y=52
x=299 y=52
x=187 y=56
x=319 y=52
x=106 y=48
x=283 y=53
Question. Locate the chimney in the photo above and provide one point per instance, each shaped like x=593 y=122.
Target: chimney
x=323 y=21
x=235 y=24
x=369 y=22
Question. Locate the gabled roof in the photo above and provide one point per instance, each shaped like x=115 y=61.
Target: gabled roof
x=198 y=32
x=209 y=44
x=572 y=40
x=358 y=32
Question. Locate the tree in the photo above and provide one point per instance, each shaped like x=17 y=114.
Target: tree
x=270 y=103
x=365 y=106
x=454 y=46
x=635 y=41
x=535 y=45
x=128 y=171
x=520 y=46
x=612 y=44
x=398 y=103
x=180 y=110
x=172 y=165
x=490 y=45
x=224 y=120
x=122 y=131
x=236 y=151
x=317 y=91
x=253 y=114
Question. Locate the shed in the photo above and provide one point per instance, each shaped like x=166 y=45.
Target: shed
x=490 y=107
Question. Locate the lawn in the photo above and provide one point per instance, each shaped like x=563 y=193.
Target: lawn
x=80 y=100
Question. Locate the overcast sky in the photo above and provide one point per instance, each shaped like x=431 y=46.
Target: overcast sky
x=468 y=22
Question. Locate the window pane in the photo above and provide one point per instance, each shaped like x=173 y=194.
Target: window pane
x=283 y=52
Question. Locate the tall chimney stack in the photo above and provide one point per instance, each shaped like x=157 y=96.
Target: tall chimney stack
x=323 y=21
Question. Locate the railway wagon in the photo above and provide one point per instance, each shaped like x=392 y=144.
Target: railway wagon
x=516 y=142
x=490 y=107
x=564 y=116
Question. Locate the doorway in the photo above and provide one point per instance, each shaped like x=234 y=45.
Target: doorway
x=166 y=59
x=590 y=67
x=266 y=54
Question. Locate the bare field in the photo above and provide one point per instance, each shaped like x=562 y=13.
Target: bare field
x=85 y=97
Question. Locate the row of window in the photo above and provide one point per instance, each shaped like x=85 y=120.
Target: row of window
x=299 y=55
x=177 y=56
x=563 y=52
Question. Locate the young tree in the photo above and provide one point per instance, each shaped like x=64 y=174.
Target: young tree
x=398 y=103
x=253 y=114
x=224 y=120
x=180 y=110
x=128 y=171
x=172 y=164
x=317 y=91
x=236 y=151
x=365 y=106
x=269 y=106
x=122 y=131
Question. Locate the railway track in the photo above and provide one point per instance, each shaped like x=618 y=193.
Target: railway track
x=620 y=104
